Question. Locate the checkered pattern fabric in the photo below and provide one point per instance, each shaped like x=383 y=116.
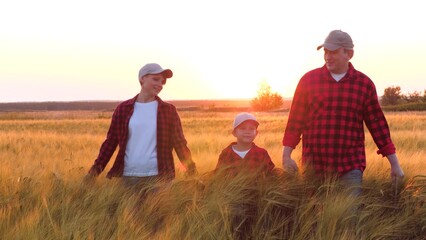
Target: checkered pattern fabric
x=256 y=160
x=330 y=117
x=169 y=136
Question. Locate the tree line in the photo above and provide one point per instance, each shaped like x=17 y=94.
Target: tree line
x=393 y=96
x=392 y=99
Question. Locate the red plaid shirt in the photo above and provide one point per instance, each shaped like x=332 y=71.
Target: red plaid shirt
x=329 y=115
x=256 y=160
x=169 y=136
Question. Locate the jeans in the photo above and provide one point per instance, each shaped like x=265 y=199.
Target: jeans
x=352 y=181
x=132 y=182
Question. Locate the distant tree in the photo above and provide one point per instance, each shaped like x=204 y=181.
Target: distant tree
x=413 y=97
x=391 y=96
x=266 y=100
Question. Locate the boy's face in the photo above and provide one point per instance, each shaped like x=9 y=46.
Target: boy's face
x=246 y=132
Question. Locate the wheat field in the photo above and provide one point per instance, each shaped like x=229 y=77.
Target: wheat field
x=44 y=157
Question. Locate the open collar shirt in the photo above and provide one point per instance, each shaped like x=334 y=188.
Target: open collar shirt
x=330 y=117
x=169 y=136
x=257 y=159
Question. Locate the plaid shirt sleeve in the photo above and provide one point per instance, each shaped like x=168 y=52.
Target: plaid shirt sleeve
x=377 y=125
x=170 y=136
x=180 y=143
x=110 y=144
x=330 y=117
x=297 y=118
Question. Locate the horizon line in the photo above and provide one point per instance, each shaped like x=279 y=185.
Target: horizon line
x=166 y=100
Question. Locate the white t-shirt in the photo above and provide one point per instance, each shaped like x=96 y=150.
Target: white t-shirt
x=338 y=77
x=140 y=158
x=242 y=154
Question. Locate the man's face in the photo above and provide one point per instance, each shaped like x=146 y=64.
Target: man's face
x=337 y=61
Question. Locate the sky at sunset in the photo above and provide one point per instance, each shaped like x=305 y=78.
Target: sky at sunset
x=92 y=50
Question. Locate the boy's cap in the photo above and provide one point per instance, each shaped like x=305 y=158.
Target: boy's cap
x=154 y=68
x=242 y=117
x=337 y=39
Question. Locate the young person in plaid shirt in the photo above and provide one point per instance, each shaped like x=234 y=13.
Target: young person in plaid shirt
x=329 y=108
x=146 y=130
x=244 y=157
x=244 y=154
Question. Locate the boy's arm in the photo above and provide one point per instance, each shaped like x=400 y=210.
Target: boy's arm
x=220 y=161
x=268 y=162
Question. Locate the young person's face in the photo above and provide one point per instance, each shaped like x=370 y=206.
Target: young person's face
x=337 y=61
x=152 y=84
x=246 y=132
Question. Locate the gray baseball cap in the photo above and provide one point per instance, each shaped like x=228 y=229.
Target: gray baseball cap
x=337 y=39
x=154 y=68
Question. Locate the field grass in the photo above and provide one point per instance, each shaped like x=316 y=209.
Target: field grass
x=44 y=157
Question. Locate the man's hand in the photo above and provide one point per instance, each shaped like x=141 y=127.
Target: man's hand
x=396 y=170
x=289 y=164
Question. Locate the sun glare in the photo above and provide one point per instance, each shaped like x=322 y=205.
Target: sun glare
x=217 y=50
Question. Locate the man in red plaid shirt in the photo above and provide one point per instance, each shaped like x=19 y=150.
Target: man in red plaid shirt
x=146 y=130
x=329 y=108
x=244 y=154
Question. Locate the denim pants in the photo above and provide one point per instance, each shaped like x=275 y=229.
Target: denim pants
x=352 y=181
x=132 y=182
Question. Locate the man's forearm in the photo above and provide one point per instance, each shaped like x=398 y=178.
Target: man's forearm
x=393 y=159
x=287 y=152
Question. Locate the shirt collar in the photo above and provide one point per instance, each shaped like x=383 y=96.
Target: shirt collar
x=133 y=100
x=349 y=73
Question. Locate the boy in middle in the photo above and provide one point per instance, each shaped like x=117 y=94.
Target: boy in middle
x=244 y=155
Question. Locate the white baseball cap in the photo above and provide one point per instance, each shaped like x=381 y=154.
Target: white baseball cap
x=154 y=68
x=242 y=117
